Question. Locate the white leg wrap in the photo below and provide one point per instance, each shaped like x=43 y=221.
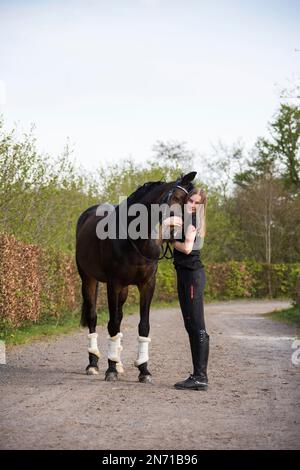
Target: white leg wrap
x=93 y=346
x=143 y=350
x=114 y=350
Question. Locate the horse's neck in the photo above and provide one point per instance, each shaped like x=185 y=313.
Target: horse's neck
x=155 y=196
x=152 y=245
x=148 y=247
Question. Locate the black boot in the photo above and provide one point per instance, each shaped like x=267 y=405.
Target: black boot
x=191 y=383
x=200 y=350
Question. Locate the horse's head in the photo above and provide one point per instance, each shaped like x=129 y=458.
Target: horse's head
x=169 y=199
x=180 y=189
x=176 y=197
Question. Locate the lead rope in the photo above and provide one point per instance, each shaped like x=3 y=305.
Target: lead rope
x=164 y=250
x=167 y=248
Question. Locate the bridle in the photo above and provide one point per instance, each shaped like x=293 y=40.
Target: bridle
x=166 y=200
x=167 y=197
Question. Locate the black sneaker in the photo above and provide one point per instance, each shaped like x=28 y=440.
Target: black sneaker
x=192 y=383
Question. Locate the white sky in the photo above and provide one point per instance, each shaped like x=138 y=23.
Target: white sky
x=115 y=76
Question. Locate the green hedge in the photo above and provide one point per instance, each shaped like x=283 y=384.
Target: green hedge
x=36 y=283
x=234 y=280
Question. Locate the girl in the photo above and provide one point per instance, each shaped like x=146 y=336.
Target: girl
x=190 y=285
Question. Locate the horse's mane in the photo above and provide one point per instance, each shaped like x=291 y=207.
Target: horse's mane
x=132 y=199
x=142 y=190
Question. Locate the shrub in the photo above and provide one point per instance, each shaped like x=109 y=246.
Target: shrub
x=36 y=282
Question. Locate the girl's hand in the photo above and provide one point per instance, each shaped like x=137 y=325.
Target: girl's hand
x=190 y=233
x=187 y=246
x=173 y=221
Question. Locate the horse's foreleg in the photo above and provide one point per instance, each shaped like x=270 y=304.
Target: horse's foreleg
x=146 y=294
x=116 y=298
x=89 y=318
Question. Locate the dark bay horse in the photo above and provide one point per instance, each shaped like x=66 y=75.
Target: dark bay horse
x=120 y=262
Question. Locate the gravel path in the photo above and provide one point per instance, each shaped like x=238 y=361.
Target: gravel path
x=253 y=400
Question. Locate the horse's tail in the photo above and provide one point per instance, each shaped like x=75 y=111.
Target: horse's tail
x=88 y=313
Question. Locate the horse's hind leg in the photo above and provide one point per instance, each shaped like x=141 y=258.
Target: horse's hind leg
x=146 y=294
x=116 y=298
x=89 y=319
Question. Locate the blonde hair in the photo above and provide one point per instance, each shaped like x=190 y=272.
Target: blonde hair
x=203 y=208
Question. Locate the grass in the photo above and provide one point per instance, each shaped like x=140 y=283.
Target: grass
x=66 y=323
x=45 y=327
x=290 y=315
x=69 y=321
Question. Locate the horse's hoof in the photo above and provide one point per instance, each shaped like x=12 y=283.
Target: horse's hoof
x=145 y=379
x=111 y=376
x=92 y=371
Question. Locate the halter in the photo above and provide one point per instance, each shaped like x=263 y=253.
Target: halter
x=164 y=251
x=167 y=197
x=166 y=200
x=183 y=189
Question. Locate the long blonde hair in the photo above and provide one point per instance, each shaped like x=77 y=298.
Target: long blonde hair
x=203 y=208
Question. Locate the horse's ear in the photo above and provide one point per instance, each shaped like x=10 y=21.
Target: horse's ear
x=188 y=177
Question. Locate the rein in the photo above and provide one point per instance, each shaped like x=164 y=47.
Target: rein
x=164 y=251
x=138 y=251
x=167 y=248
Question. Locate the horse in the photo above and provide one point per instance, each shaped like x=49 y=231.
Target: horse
x=120 y=262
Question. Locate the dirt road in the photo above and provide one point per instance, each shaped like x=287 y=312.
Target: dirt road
x=253 y=401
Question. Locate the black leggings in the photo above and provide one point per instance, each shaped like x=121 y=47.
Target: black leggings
x=190 y=287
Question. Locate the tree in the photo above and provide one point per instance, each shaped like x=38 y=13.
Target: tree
x=174 y=155
x=285 y=130
x=279 y=155
x=170 y=160
x=224 y=163
x=40 y=198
